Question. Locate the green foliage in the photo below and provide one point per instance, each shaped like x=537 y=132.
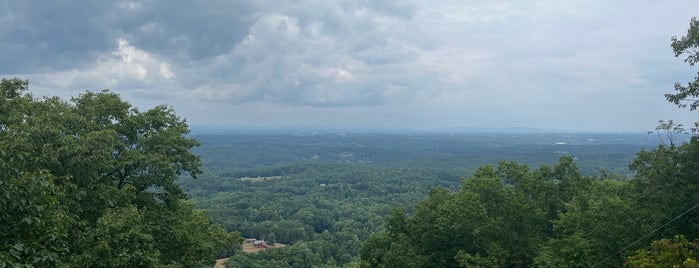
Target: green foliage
x=373 y=250
x=90 y=182
x=669 y=131
x=331 y=207
x=665 y=187
x=508 y=215
x=689 y=44
x=494 y=220
x=678 y=252
x=594 y=225
x=511 y=216
x=119 y=239
x=32 y=224
x=198 y=240
x=239 y=155
x=493 y=260
x=504 y=217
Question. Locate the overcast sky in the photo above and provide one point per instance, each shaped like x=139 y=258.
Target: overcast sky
x=572 y=65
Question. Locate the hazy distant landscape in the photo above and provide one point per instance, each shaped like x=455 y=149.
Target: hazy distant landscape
x=466 y=151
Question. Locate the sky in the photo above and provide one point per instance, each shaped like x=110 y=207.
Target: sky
x=567 y=65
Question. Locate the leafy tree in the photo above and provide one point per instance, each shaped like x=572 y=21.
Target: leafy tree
x=32 y=223
x=669 y=131
x=113 y=170
x=515 y=226
x=594 y=225
x=675 y=252
x=120 y=239
x=689 y=44
x=666 y=187
x=271 y=239
x=499 y=218
x=373 y=250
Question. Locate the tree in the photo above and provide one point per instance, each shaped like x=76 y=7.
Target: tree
x=112 y=169
x=500 y=218
x=668 y=131
x=595 y=224
x=666 y=188
x=687 y=95
x=32 y=223
x=121 y=239
x=676 y=252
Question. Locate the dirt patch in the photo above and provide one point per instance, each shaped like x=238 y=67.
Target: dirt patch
x=248 y=248
x=219 y=263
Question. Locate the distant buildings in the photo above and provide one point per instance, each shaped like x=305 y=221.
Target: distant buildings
x=257 y=243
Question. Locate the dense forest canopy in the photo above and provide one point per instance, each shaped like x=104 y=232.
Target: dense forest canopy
x=325 y=209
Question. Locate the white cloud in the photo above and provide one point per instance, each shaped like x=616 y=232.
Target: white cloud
x=124 y=69
x=165 y=71
x=130 y=6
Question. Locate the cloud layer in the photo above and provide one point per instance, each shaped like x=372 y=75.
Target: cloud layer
x=578 y=65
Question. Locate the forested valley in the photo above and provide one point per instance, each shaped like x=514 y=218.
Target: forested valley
x=95 y=182
x=440 y=200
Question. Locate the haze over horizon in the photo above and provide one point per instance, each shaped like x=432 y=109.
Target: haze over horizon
x=573 y=65
x=208 y=129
